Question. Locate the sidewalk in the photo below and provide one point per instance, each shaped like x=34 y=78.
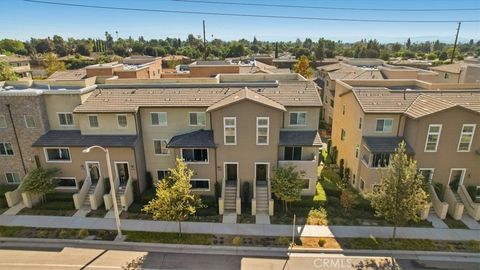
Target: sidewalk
x=239 y=229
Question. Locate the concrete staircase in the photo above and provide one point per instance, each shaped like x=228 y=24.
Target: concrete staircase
x=86 y=202
x=230 y=202
x=262 y=199
x=120 y=192
x=457 y=197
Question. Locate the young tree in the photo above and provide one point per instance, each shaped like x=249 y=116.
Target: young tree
x=348 y=199
x=400 y=195
x=302 y=67
x=52 y=64
x=39 y=182
x=287 y=184
x=6 y=72
x=174 y=199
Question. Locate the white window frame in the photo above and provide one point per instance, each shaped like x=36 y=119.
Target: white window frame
x=462 y=179
x=383 y=129
x=164 y=170
x=428 y=169
x=309 y=183
x=66 y=125
x=466 y=133
x=57 y=161
x=13 y=175
x=225 y=126
x=26 y=122
x=3 y=120
x=201 y=179
x=439 y=133
x=126 y=120
x=225 y=169
x=255 y=170
x=166 y=142
x=90 y=123
x=195 y=162
x=197 y=125
x=6 y=154
x=263 y=126
x=65 y=187
x=296 y=125
x=159 y=124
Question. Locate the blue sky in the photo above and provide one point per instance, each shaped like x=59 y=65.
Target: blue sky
x=24 y=20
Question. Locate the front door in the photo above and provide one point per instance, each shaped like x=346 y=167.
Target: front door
x=456 y=178
x=261 y=173
x=93 y=171
x=231 y=173
x=122 y=172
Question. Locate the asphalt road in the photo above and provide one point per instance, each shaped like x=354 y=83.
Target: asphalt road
x=86 y=258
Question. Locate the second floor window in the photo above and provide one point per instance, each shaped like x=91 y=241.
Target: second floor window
x=122 y=121
x=433 y=136
x=197 y=119
x=160 y=147
x=384 y=125
x=293 y=153
x=159 y=118
x=298 y=118
x=162 y=174
x=466 y=138
x=57 y=154
x=6 y=149
x=381 y=160
x=262 y=130
x=195 y=155
x=357 y=151
x=93 y=120
x=3 y=121
x=343 y=135
x=65 y=119
x=230 y=130
x=360 y=122
x=12 y=178
x=29 y=121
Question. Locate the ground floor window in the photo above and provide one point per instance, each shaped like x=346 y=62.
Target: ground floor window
x=427 y=174
x=353 y=179
x=200 y=184
x=162 y=174
x=12 y=178
x=57 y=154
x=293 y=153
x=195 y=155
x=66 y=182
x=362 y=184
x=306 y=184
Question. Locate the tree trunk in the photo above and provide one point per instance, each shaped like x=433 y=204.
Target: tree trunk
x=179 y=228
x=394 y=233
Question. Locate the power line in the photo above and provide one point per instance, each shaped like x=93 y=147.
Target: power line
x=324 y=7
x=247 y=15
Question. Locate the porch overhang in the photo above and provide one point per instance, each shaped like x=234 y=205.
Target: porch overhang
x=74 y=138
x=196 y=139
x=385 y=144
x=299 y=138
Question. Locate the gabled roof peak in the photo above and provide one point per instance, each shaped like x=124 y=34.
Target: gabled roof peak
x=246 y=94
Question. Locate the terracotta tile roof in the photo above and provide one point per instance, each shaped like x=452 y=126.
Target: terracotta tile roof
x=246 y=94
x=415 y=103
x=301 y=94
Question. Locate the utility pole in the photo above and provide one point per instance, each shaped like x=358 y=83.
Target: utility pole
x=455 y=44
x=204 y=43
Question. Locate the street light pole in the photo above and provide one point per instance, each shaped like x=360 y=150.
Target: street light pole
x=112 y=187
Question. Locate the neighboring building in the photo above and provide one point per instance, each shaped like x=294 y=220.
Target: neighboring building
x=459 y=72
x=438 y=122
x=213 y=68
x=76 y=74
x=134 y=67
x=171 y=61
x=19 y=64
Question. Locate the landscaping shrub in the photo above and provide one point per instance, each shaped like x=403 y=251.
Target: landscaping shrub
x=322 y=242
x=320 y=195
x=237 y=241
x=83 y=233
x=64 y=234
x=317 y=217
x=348 y=199
x=283 y=241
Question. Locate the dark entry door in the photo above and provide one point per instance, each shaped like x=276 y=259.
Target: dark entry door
x=231 y=173
x=261 y=174
x=123 y=173
x=94 y=172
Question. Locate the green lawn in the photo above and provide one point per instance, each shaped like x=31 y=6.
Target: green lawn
x=454 y=224
x=57 y=204
x=168 y=238
x=26 y=232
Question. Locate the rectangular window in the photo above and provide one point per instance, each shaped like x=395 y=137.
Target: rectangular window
x=343 y=135
x=331 y=103
x=57 y=154
x=66 y=182
x=93 y=120
x=262 y=130
x=298 y=118
x=160 y=147
x=293 y=153
x=381 y=160
x=343 y=109
x=3 y=121
x=384 y=125
x=65 y=119
x=162 y=174
x=197 y=119
x=122 y=121
x=362 y=183
x=230 y=130
x=306 y=183
x=200 y=184
x=29 y=121
x=159 y=119
x=6 y=149
x=427 y=174
x=195 y=155
x=353 y=179
x=360 y=122
x=466 y=137
x=433 y=137
x=357 y=151
x=12 y=178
